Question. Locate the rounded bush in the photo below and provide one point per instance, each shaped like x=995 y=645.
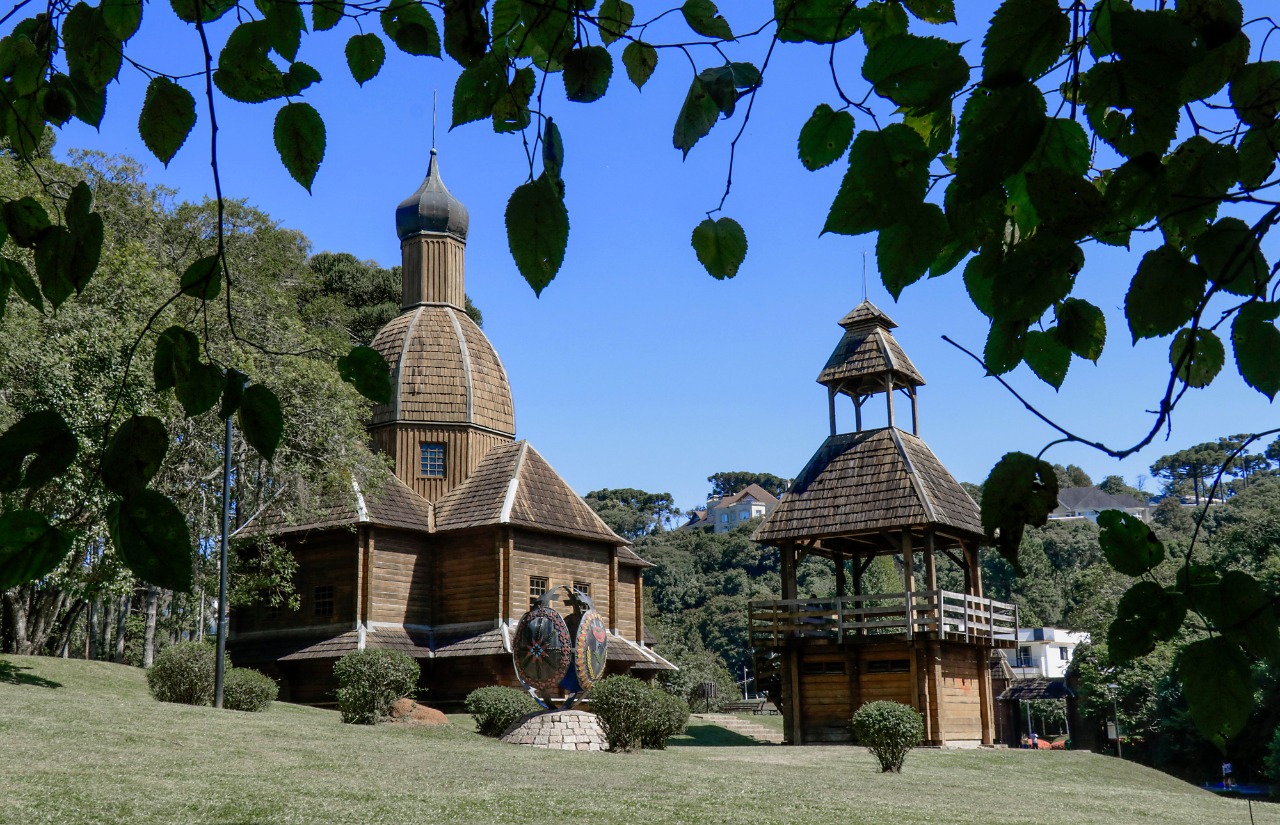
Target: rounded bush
x=668 y=716
x=888 y=730
x=247 y=689
x=622 y=705
x=497 y=708
x=183 y=673
x=370 y=682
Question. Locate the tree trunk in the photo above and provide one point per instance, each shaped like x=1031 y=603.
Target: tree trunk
x=122 y=623
x=15 y=613
x=149 y=630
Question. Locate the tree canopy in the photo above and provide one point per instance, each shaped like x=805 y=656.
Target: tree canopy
x=729 y=483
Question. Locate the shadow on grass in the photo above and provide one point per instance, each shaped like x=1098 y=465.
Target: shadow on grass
x=11 y=673
x=709 y=736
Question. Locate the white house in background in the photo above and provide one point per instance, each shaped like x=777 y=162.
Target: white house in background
x=1045 y=652
x=723 y=513
x=1087 y=502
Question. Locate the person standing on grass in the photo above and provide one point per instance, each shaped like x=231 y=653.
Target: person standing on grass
x=1227 y=781
x=1035 y=740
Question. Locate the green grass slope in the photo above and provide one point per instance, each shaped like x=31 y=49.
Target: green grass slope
x=83 y=742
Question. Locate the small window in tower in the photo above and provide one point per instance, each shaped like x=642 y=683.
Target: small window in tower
x=431 y=463
x=537 y=588
x=1064 y=653
x=583 y=587
x=323 y=601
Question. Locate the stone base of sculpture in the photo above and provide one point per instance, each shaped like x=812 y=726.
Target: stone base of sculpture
x=565 y=730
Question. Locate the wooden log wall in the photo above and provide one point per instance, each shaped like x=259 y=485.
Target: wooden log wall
x=465 y=448
x=562 y=561
x=400 y=577
x=961 y=693
x=467 y=576
x=826 y=700
x=325 y=558
x=627 y=607
x=432 y=267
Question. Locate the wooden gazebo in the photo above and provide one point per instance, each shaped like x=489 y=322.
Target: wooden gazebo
x=868 y=493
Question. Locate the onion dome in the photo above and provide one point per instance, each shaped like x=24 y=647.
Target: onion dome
x=868 y=360
x=444 y=370
x=432 y=209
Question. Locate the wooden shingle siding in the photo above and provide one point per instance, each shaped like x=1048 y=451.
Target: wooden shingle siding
x=562 y=561
x=432 y=271
x=467 y=578
x=399 y=578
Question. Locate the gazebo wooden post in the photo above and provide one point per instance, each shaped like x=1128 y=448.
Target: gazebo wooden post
x=888 y=396
x=831 y=407
x=788 y=571
x=931 y=578
x=857 y=413
x=838 y=558
x=915 y=412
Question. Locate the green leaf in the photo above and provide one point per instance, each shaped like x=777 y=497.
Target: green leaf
x=1243 y=613
x=705 y=19
x=1067 y=205
x=825 y=137
x=916 y=72
x=122 y=17
x=44 y=437
x=979 y=275
x=199 y=389
x=91 y=103
x=1197 y=365
x=887 y=178
x=537 y=231
x=478 y=90
x=614 y=20
x=586 y=73
x=411 y=27
x=1147 y=614
x=285 y=24
x=466 y=34
x=1206 y=77
x=999 y=131
x=1229 y=253
x=325 y=14
x=904 y=250
x=504 y=18
x=1064 y=146
x=245 y=72
x=552 y=152
x=815 y=21
x=1258 y=150
x=134 y=455
x=232 y=392
x=549 y=24
x=932 y=11
x=365 y=369
x=54 y=252
x=30 y=547
x=1197 y=175
x=698 y=114
x=177 y=350
x=1081 y=328
x=300 y=140
x=1255 y=92
x=208 y=10
x=1036 y=274
x=1100 y=37
x=640 y=59
x=168 y=115
x=261 y=419
x=1025 y=39
x=1164 y=294
x=93 y=53
x=721 y=246
x=1218 y=685
x=936 y=127
x=879 y=21
x=511 y=111
x=1128 y=543
x=23 y=283
x=25 y=220
x=150 y=534
x=1021 y=490
x=1256 y=343
x=1047 y=357
x=1006 y=345
x=1131 y=198
x=300 y=76
x=203 y=279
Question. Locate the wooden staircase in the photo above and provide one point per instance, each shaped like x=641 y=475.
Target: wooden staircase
x=755 y=730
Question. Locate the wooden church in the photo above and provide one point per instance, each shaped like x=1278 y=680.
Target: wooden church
x=878 y=492
x=446 y=554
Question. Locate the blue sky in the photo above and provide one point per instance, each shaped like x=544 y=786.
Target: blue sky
x=635 y=368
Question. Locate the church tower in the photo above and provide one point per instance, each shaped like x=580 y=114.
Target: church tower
x=452 y=402
x=867 y=493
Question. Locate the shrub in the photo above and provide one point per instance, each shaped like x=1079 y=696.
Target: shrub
x=247 y=689
x=370 y=681
x=622 y=705
x=668 y=716
x=497 y=708
x=1271 y=765
x=888 y=730
x=183 y=673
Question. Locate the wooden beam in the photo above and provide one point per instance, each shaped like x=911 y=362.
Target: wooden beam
x=840 y=583
x=984 y=696
x=888 y=394
x=788 y=571
x=831 y=406
x=915 y=413
x=930 y=566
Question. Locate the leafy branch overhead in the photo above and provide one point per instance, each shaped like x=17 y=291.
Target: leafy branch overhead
x=1007 y=161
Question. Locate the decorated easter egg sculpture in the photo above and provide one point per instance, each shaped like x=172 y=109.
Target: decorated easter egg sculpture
x=560 y=655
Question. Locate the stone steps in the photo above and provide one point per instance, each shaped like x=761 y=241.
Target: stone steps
x=755 y=730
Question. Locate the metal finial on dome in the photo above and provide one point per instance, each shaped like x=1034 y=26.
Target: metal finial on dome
x=432 y=209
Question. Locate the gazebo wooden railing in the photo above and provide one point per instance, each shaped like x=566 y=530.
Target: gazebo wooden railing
x=940 y=613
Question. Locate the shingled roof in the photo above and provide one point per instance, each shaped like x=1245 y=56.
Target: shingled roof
x=867 y=354
x=871 y=481
x=515 y=485
x=392 y=505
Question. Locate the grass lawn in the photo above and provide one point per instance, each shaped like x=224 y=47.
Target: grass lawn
x=82 y=742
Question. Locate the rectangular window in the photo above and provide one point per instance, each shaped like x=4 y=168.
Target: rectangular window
x=1024 y=657
x=889 y=666
x=1064 y=654
x=744 y=515
x=431 y=462
x=323 y=601
x=810 y=668
x=583 y=587
x=537 y=588
x=724 y=518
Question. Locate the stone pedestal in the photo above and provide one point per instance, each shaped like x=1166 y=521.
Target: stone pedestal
x=565 y=730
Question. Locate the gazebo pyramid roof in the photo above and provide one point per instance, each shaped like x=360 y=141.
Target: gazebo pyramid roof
x=868 y=360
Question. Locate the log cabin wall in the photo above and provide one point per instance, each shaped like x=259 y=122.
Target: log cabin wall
x=562 y=561
x=826 y=700
x=432 y=271
x=465 y=447
x=326 y=559
x=400 y=578
x=627 y=609
x=960 y=687
x=467 y=575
